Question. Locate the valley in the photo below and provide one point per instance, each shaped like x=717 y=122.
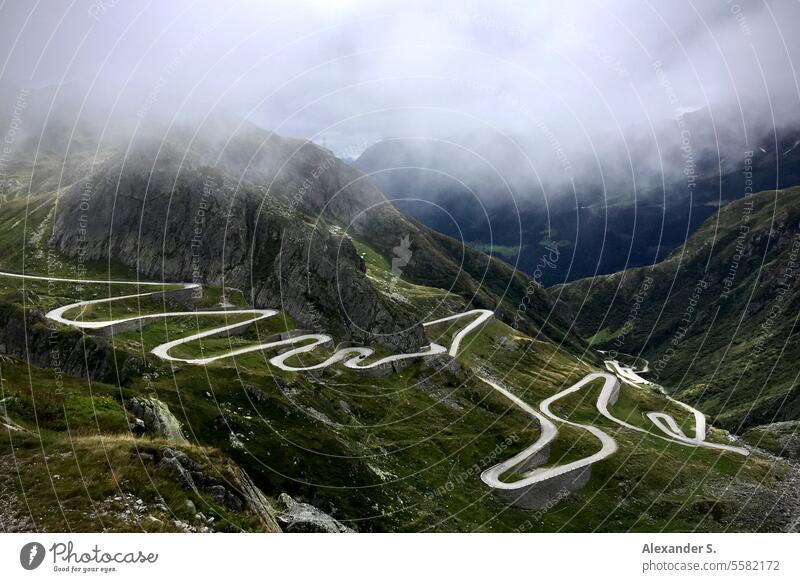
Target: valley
x=277 y=269
x=716 y=318
x=302 y=416
x=354 y=358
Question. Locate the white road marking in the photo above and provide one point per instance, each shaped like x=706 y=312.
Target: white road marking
x=549 y=431
x=354 y=357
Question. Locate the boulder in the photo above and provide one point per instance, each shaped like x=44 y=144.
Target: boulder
x=304 y=518
x=157 y=418
x=172 y=465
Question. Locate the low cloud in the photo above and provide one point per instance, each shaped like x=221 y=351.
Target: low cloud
x=578 y=87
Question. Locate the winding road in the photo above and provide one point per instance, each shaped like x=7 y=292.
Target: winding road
x=524 y=478
x=354 y=358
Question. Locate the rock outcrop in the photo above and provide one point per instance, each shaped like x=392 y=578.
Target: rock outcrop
x=304 y=518
x=5 y=421
x=239 y=493
x=780 y=438
x=174 y=219
x=24 y=334
x=256 y=500
x=157 y=418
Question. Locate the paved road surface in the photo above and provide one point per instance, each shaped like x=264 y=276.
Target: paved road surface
x=354 y=358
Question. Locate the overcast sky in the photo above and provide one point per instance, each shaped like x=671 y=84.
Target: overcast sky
x=352 y=72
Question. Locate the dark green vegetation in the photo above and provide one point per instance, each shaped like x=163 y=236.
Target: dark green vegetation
x=490 y=189
x=399 y=452
x=396 y=452
x=717 y=319
x=71 y=464
x=504 y=251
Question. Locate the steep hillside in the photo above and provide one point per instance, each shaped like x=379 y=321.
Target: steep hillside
x=717 y=319
x=272 y=216
x=395 y=449
x=616 y=213
x=208 y=405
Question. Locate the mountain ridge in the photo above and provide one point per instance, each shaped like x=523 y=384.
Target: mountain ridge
x=729 y=294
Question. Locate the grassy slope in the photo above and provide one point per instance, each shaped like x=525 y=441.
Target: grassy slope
x=728 y=362
x=400 y=452
x=76 y=468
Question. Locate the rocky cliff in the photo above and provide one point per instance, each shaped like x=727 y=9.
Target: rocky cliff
x=274 y=217
x=170 y=218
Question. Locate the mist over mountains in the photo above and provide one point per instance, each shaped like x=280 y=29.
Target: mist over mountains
x=583 y=79
x=490 y=193
x=325 y=266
